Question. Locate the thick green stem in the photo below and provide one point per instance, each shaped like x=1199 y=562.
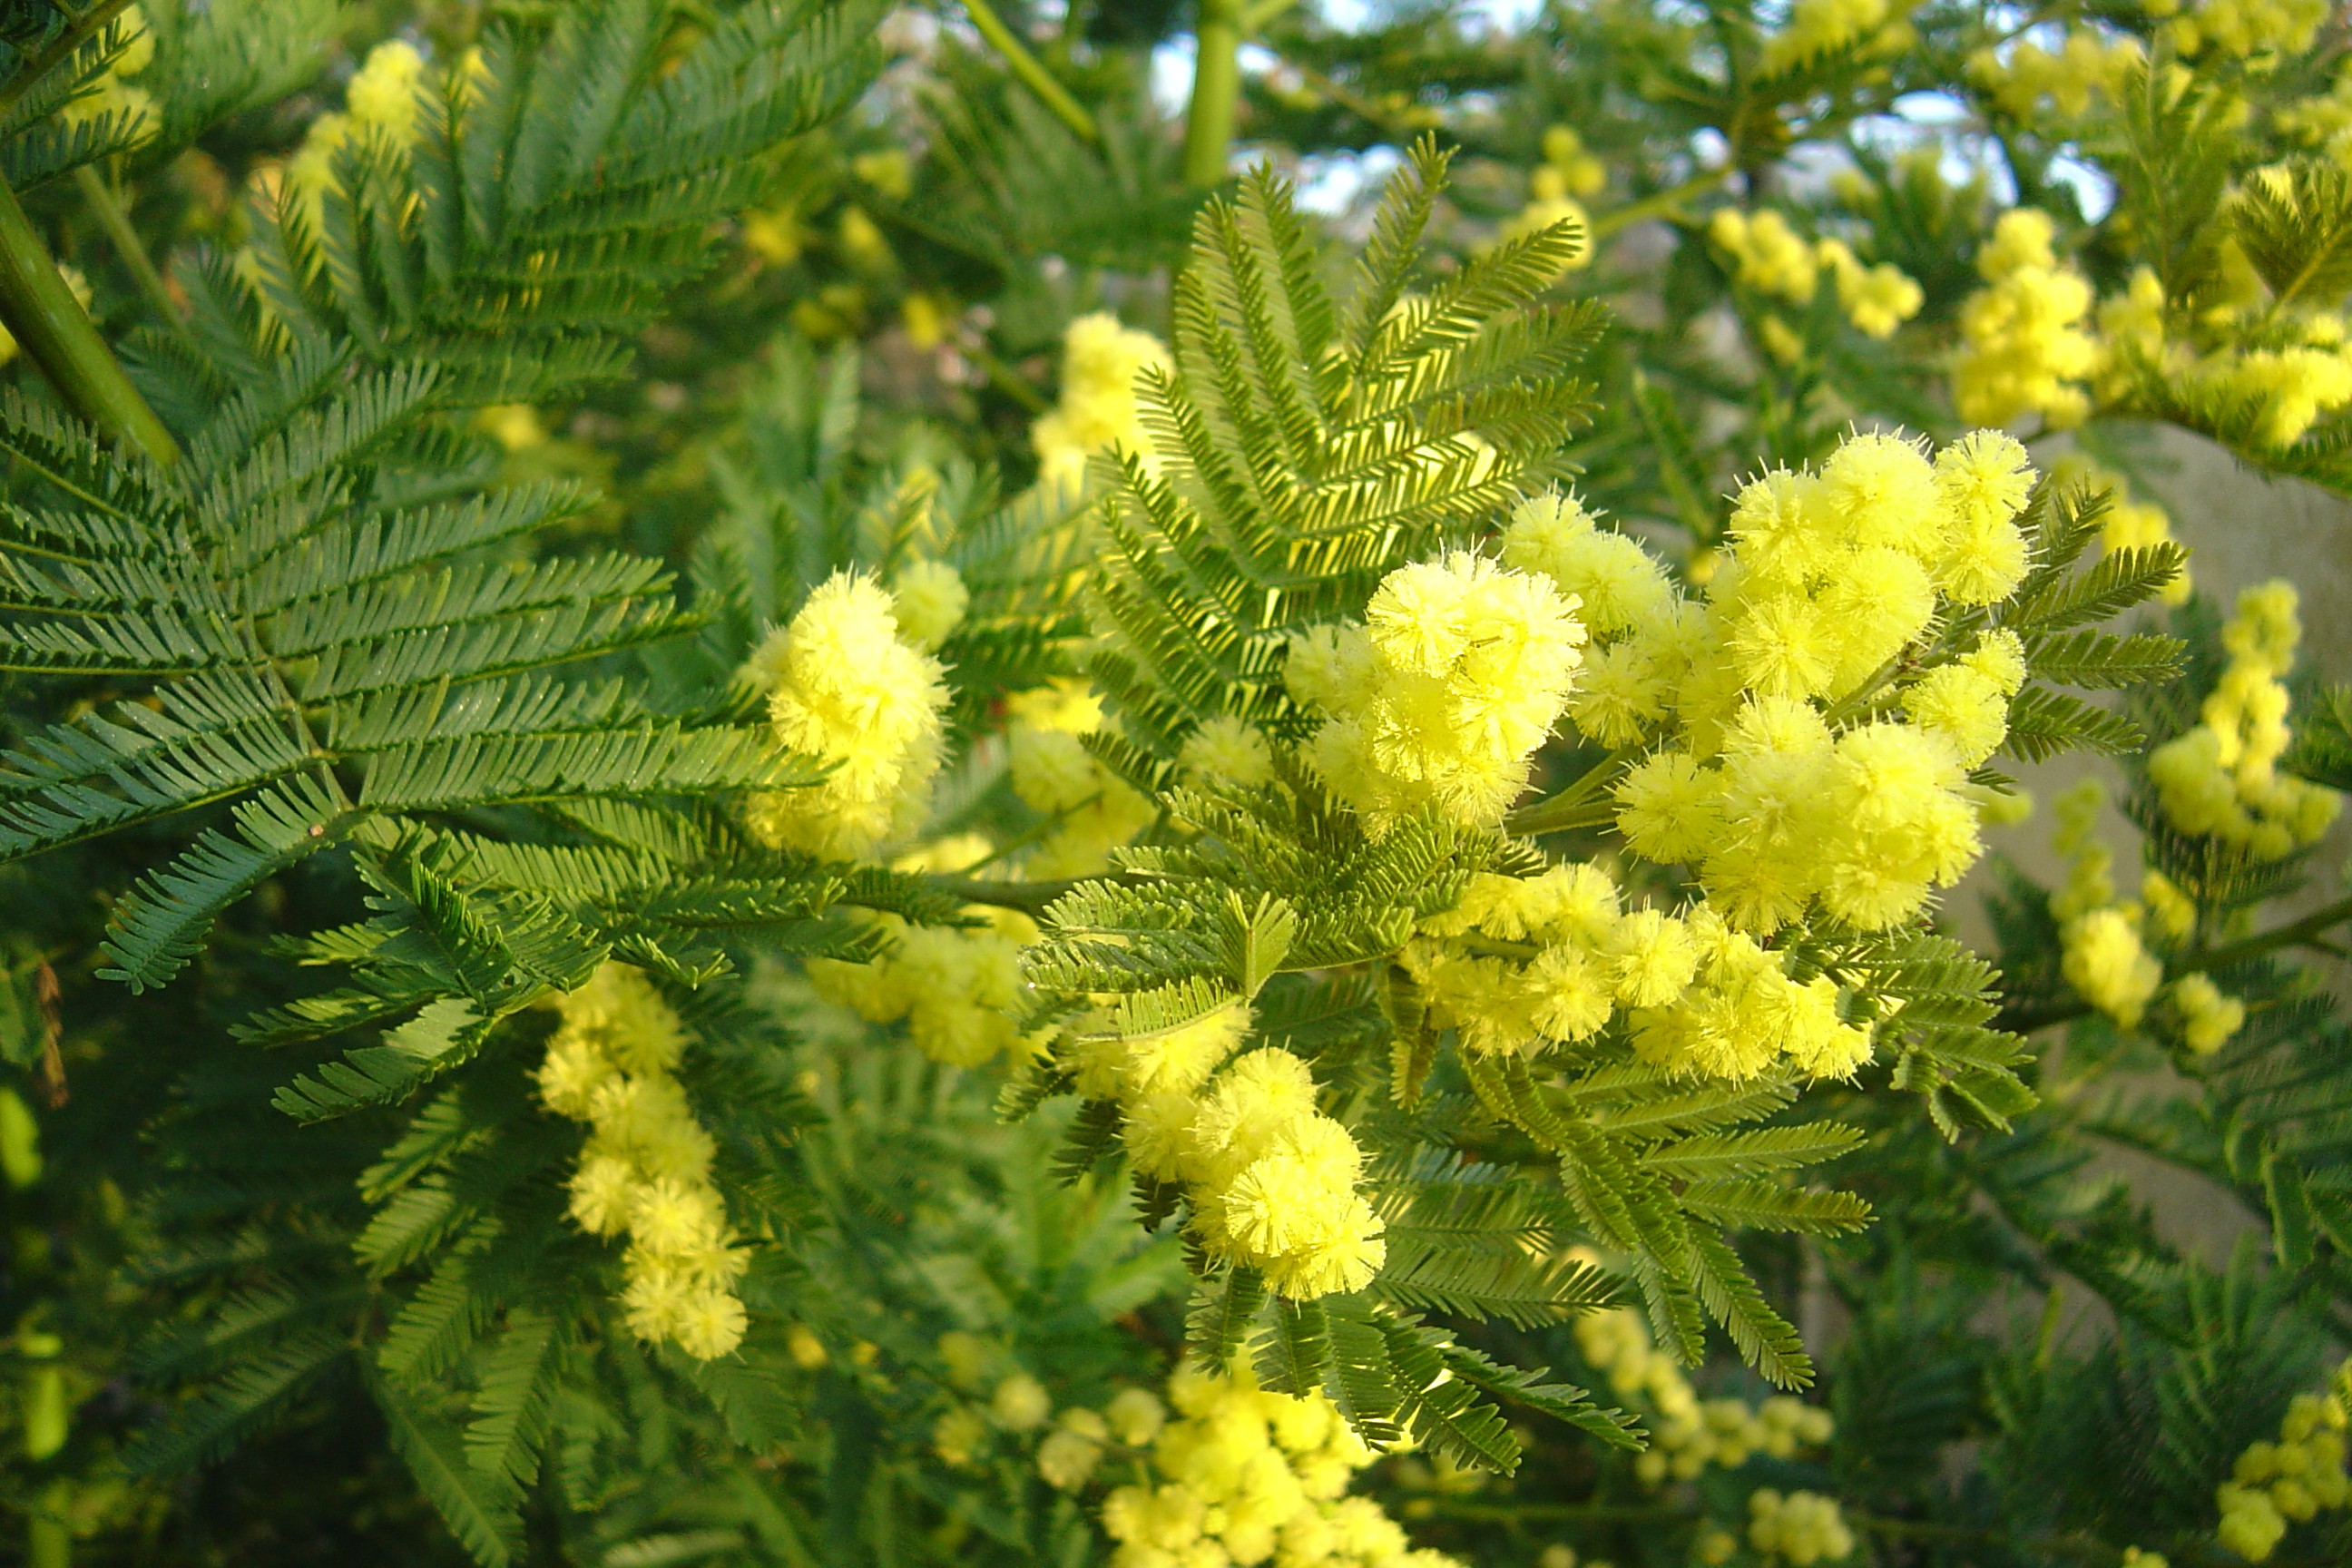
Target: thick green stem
x=56 y=333
x=111 y=217
x=1574 y=806
x=1031 y=70
x=1216 y=92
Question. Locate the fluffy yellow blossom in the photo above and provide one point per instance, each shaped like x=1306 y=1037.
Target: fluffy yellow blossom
x=1245 y=1476
x=2104 y=962
x=845 y=688
x=958 y=989
x=2294 y=1479
x=1549 y=201
x=1818 y=27
x=1271 y=1182
x=1135 y=1416
x=959 y=1435
x=1700 y=998
x=2243 y=28
x=380 y=101
x=2085 y=71
x=1580 y=173
x=1772 y=256
x=646 y=1170
x=1689 y=1434
x=1100 y=360
x=1966 y=703
x=382 y=94
x=1830 y=577
x=2208 y=1017
x=2023 y=347
x=1053 y=771
x=2171 y=911
x=2101 y=953
x=1466 y=667
x=1800 y=1529
x=2289 y=387
x=929 y=599
x=1021 y=1404
x=2128 y=524
x=1228 y=751
x=2221 y=777
x=1068 y=1456
x=1876 y=300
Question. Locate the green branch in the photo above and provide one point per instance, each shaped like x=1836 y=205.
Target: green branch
x=1216 y=92
x=57 y=335
x=63 y=48
x=116 y=221
x=1663 y=204
x=1573 y=807
x=1029 y=898
x=1032 y=70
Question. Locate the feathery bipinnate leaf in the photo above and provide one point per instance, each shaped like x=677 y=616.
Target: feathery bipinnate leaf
x=320 y=655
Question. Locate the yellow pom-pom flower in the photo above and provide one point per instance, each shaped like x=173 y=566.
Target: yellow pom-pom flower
x=849 y=691
x=646 y=1171
x=1469 y=665
x=1097 y=411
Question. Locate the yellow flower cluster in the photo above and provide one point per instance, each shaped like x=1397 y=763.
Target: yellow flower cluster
x=2100 y=949
x=2023 y=347
x=845 y=689
x=1801 y=1528
x=2222 y=778
x=382 y=98
x=1689 y=1433
x=2287 y=385
x=646 y=1171
x=2130 y=524
x=1247 y=1477
x=2242 y=28
x=1100 y=360
x=1226 y=749
x=2102 y=954
x=2209 y=1017
x=2325 y=120
x=1073 y=1443
x=2293 y=1478
x=957 y=989
x=1817 y=27
x=2290 y=386
x=1830 y=577
x=929 y=599
x=2084 y=70
x=1773 y=259
x=1444 y=694
x=111 y=93
x=1554 y=186
x=1700 y=998
x=1093 y=809
x=1876 y=300
x=1271 y=1182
